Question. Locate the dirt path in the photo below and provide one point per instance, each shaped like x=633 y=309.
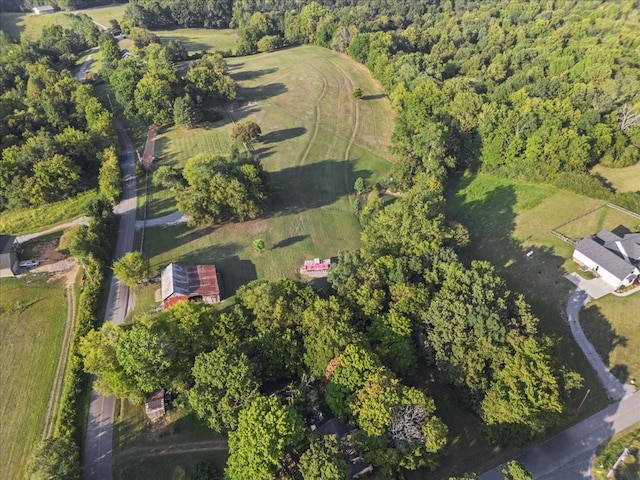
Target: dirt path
x=58 y=380
x=171 y=449
x=356 y=125
x=149 y=147
x=57 y=228
x=316 y=123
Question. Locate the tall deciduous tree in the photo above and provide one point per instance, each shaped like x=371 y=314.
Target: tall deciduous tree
x=265 y=429
x=131 y=268
x=55 y=458
x=323 y=460
x=224 y=381
x=245 y=132
x=110 y=178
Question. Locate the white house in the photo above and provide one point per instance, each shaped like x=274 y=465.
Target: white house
x=615 y=259
x=43 y=9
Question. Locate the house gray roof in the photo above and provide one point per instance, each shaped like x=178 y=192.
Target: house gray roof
x=6 y=243
x=604 y=257
x=631 y=244
x=606 y=237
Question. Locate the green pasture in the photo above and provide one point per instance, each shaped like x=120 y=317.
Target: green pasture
x=18 y=24
x=613 y=327
x=32 y=320
x=506 y=219
x=604 y=217
x=316 y=140
x=621 y=179
x=609 y=452
x=168 y=466
x=102 y=15
x=30 y=220
x=198 y=39
x=133 y=434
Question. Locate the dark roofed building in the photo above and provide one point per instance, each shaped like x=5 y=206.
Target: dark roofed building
x=154 y=405
x=615 y=259
x=9 y=248
x=333 y=426
x=199 y=282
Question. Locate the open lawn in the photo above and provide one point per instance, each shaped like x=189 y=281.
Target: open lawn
x=610 y=451
x=317 y=139
x=506 y=219
x=612 y=324
x=139 y=444
x=103 y=14
x=621 y=179
x=198 y=39
x=32 y=319
x=603 y=217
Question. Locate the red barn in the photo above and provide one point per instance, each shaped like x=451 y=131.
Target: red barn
x=199 y=282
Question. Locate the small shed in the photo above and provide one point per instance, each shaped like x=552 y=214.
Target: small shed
x=43 y=10
x=9 y=248
x=316 y=267
x=198 y=282
x=154 y=405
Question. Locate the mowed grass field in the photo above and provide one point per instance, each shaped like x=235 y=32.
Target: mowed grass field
x=506 y=219
x=136 y=443
x=316 y=140
x=32 y=319
x=622 y=179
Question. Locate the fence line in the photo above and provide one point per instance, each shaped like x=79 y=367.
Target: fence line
x=562 y=237
x=623 y=210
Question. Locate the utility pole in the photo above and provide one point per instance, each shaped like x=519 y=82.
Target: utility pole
x=585 y=397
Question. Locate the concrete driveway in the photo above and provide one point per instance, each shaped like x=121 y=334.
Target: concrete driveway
x=595 y=288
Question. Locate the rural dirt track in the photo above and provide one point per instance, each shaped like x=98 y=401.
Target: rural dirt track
x=356 y=125
x=171 y=449
x=58 y=379
x=318 y=113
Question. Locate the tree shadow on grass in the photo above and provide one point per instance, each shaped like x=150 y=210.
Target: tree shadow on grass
x=235 y=273
x=377 y=96
x=281 y=135
x=603 y=337
x=289 y=241
x=252 y=74
x=309 y=186
x=262 y=92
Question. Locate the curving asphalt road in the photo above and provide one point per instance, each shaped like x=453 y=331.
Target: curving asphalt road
x=568 y=455
x=98 y=457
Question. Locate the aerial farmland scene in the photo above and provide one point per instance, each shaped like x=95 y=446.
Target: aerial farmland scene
x=319 y=240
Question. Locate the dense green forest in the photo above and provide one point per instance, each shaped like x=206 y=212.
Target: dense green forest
x=54 y=134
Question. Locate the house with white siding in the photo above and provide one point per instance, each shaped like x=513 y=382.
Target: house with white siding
x=613 y=258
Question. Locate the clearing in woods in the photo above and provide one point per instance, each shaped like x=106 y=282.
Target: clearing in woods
x=316 y=140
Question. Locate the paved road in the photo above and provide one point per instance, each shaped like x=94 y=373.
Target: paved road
x=568 y=455
x=171 y=219
x=98 y=446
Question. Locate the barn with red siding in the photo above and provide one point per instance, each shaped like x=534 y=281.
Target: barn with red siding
x=198 y=282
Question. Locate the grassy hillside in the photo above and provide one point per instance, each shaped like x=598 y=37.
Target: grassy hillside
x=32 y=318
x=317 y=139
